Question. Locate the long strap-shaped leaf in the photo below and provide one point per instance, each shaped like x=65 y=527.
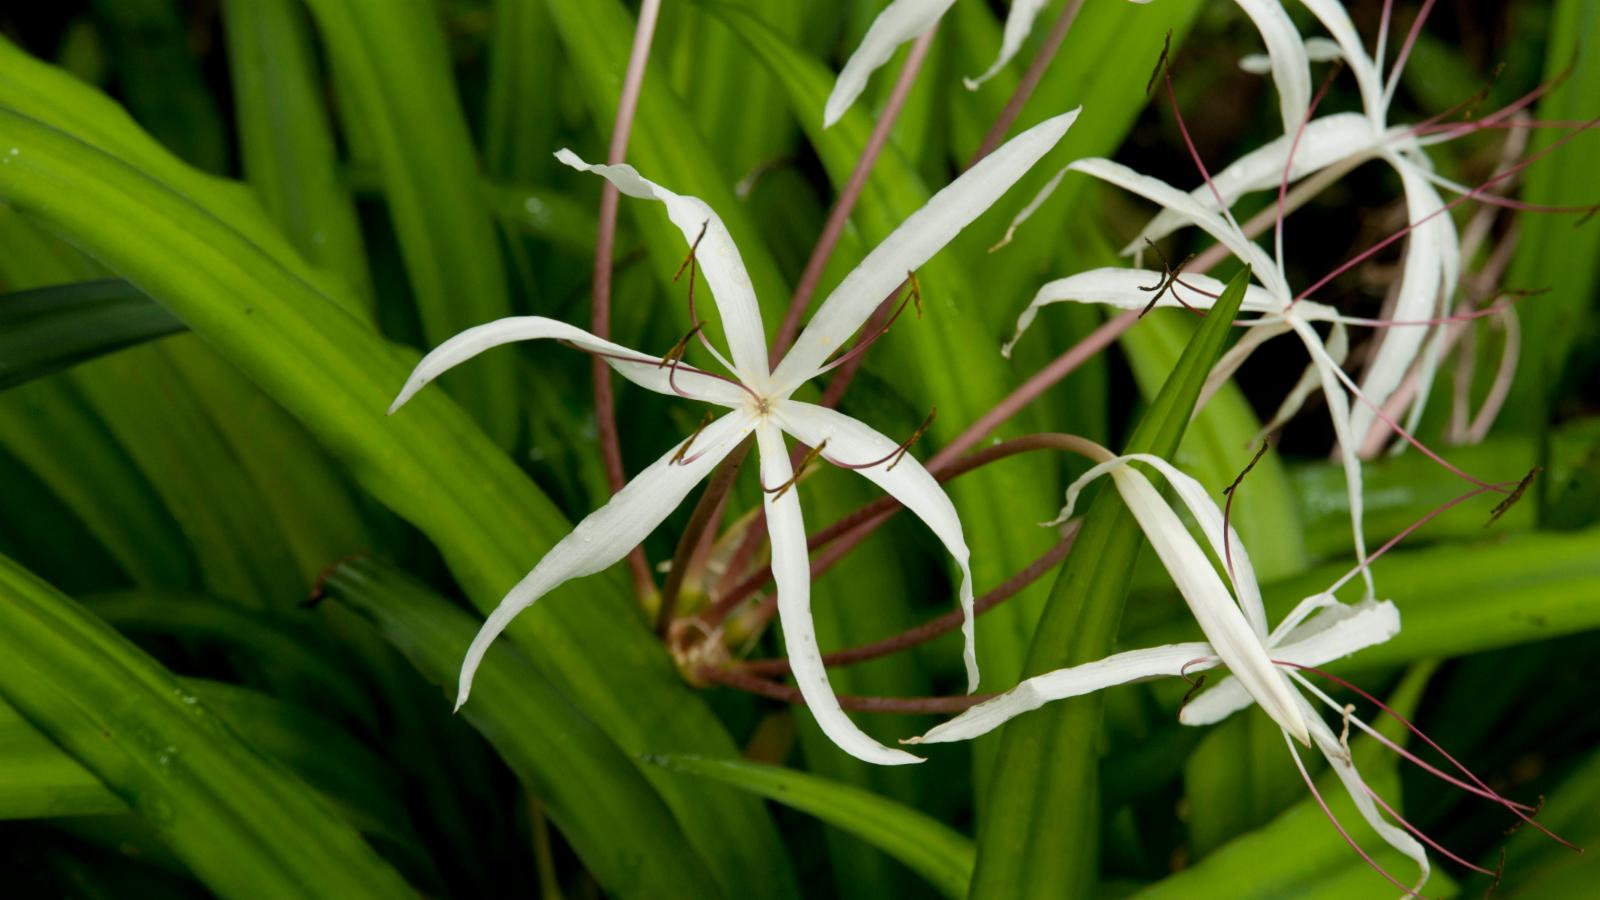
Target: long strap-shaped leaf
x=429 y=463
x=245 y=826
x=1046 y=771
x=391 y=57
x=924 y=844
x=48 y=329
x=594 y=794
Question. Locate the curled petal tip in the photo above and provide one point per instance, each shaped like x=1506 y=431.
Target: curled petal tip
x=911 y=740
x=972 y=83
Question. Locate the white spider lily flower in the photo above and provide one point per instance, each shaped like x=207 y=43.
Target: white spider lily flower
x=1271 y=299
x=1335 y=144
x=906 y=20
x=1264 y=667
x=758 y=399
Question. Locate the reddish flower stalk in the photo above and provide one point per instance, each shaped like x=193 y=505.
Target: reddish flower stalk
x=948 y=622
x=1030 y=81
x=605 y=406
x=833 y=228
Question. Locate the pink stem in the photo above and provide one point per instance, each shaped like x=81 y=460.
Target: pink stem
x=605 y=407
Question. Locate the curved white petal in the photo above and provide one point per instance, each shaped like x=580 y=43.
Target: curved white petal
x=1429 y=261
x=1318 y=49
x=1286 y=56
x=1326 y=141
x=717 y=258
x=1339 y=760
x=1209 y=600
x=1191 y=211
x=1333 y=392
x=1032 y=693
x=791 y=573
x=852 y=441
x=917 y=239
x=1209 y=517
x=640 y=368
x=1338 y=346
x=1352 y=628
x=1369 y=80
x=900 y=21
x=607 y=534
x=1132 y=289
x=1234 y=357
x=1019 y=21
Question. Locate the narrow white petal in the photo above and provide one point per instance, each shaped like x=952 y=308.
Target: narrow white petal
x=1287 y=57
x=1019 y=21
x=717 y=258
x=1333 y=391
x=791 y=573
x=1338 y=345
x=1352 y=628
x=1032 y=207
x=1422 y=281
x=1132 y=289
x=853 y=441
x=1369 y=79
x=1209 y=600
x=917 y=239
x=1234 y=357
x=1191 y=211
x=1171 y=660
x=1318 y=49
x=607 y=534
x=900 y=21
x=642 y=369
x=1326 y=141
x=1209 y=517
x=1339 y=760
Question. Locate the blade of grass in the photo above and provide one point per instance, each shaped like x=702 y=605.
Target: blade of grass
x=391 y=58
x=48 y=329
x=926 y=845
x=245 y=826
x=286 y=144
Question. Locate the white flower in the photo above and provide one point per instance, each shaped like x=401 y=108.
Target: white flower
x=758 y=399
x=1264 y=666
x=907 y=20
x=1337 y=143
x=1271 y=300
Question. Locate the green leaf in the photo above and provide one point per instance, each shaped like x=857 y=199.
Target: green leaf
x=391 y=60
x=1551 y=252
x=519 y=108
x=48 y=329
x=243 y=825
x=1046 y=772
x=429 y=463
x=38 y=780
x=926 y=846
x=593 y=793
x=286 y=141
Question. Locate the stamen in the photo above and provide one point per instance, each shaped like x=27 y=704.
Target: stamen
x=1513 y=497
x=1195 y=684
x=704 y=421
x=1405 y=532
x=1161 y=63
x=689 y=261
x=1317 y=795
x=1170 y=278
x=1288 y=164
x=860 y=347
x=894 y=456
x=810 y=457
x=1430 y=841
x=1483 y=789
x=1405 y=51
x=1227 y=509
x=674 y=358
